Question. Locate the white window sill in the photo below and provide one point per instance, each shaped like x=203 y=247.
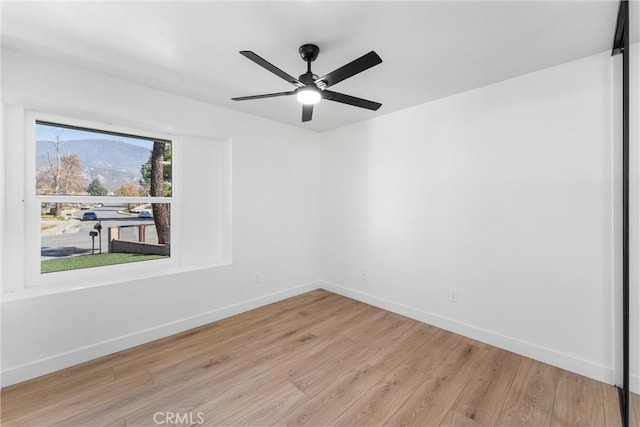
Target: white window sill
x=43 y=290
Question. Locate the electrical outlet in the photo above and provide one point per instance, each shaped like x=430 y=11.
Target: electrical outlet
x=363 y=275
x=453 y=295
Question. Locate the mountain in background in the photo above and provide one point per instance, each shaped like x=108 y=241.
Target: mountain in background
x=112 y=162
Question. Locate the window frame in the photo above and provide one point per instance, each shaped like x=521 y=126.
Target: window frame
x=88 y=277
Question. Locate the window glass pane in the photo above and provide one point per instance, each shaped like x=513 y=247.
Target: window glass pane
x=80 y=235
x=75 y=161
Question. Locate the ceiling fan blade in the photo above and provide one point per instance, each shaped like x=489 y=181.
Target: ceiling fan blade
x=307 y=112
x=268 y=95
x=270 y=67
x=351 y=100
x=351 y=69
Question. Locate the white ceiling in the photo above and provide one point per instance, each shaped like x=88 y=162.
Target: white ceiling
x=429 y=49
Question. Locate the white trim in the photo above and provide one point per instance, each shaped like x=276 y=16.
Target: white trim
x=104 y=199
x=64 y=360
x=13 y=195
x=527 y=349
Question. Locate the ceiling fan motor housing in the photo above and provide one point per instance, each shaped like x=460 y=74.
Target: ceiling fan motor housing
x=309 y=52
x=308 y=79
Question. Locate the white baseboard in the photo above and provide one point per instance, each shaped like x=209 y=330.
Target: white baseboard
x=64 y=360
x=533 y=351
x=51 y=364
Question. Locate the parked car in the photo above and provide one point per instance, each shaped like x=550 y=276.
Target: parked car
x=89 y=216
x=84 y=207
x=145 y=214
x=98 y=205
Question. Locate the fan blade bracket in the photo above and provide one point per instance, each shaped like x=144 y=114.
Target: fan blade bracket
x=321 y=84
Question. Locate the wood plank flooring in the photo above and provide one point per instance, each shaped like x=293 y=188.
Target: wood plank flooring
x=316 y=359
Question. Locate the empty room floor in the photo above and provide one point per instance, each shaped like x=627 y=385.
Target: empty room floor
x=315 y=359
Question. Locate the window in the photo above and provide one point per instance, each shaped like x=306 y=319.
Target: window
x=197 y=199
x=104 y=197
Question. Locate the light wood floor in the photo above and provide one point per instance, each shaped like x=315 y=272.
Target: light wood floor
x=316 y=359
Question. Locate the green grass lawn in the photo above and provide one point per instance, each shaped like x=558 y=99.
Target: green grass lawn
x=97 y=260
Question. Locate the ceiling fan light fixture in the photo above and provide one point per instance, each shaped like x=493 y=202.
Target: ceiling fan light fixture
x=308 y=96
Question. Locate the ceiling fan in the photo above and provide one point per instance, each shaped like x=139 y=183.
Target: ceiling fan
x=309 y=88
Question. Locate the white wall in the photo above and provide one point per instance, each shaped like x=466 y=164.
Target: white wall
x=504 y=193
x=275 y=183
